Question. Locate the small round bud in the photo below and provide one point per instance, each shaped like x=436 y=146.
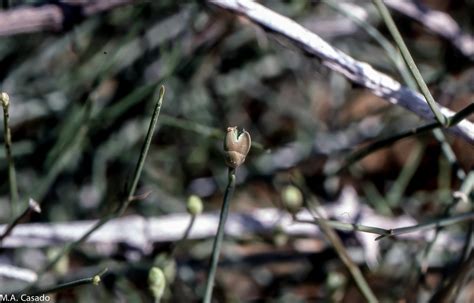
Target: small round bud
x=280 y=238
x=194 y=205
x=5 y=99
x=157 y=282
x=236 y=146
x=292 y=198
x=96 y=280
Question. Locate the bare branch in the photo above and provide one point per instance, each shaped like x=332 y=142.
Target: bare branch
x=142 y=232
x=359 y=72
x=52 y=17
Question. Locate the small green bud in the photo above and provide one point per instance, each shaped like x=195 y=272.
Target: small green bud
x=280 y=238
x=5 y=99
x=236 y=146
x=96 y=280
x=335 y=280
x=292 y=198
x=157 y=282
x=194 y=205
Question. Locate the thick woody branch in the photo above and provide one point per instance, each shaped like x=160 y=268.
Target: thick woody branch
x=53 y=17
x=356 y=71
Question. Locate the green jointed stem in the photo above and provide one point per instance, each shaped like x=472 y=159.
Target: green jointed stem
x=146 y=145
x=409 y=61
x=8 y=150
x=442 y=222
x=428 y=225
x=130 y=196
x=220 y=236
x=342 y=226
x=361 y=153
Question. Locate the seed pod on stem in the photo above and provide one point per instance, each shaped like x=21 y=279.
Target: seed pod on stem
x=236 y=146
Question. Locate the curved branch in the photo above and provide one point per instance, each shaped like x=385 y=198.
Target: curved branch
x=358 y=72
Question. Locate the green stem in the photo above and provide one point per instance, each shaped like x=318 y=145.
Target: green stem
x=146 y=144
x=91 y=280
x=339 y=247
x=130 y=196
x=361 y=153
x=430 y=224
x=466 y=188
x=450 y=291
x=216 y=248
x=185 y=235
x=8 y=150
x=201 y=129
x=33 y=206
x=337 y=225
x=408 y=170
x=409 y=61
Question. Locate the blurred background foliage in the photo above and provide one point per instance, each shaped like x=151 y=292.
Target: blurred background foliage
x=81 y=101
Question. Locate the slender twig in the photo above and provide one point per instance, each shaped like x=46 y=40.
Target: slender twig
x=5 y=99
x=146 y=144
x=122 y=206
x=466 y=188
x=365 y=151
x=398 y=188
x=96 y=279
x=201 y=129
x=185 y=236
x=450 y=291
x=336 y=241
x=430 y=224
x=390 y=232
x=33 y=206
x=410 y=62
x=342 y=226
x=216 y=248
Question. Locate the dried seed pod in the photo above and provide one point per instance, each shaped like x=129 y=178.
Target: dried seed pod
x=236 y=146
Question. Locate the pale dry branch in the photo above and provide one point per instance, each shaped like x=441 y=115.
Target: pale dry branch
x=142 y=233
x=53 y=17
x=358 y=72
